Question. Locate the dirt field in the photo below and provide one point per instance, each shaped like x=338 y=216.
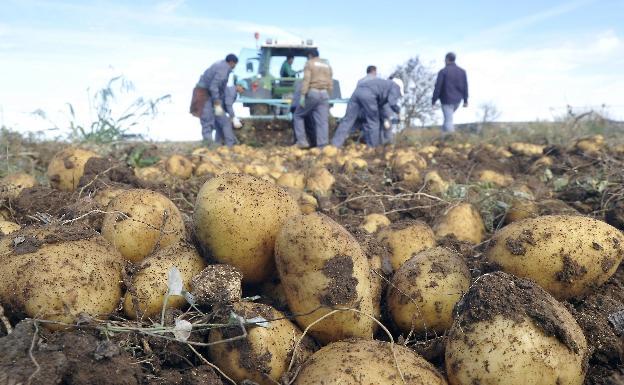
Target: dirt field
x=572 y=175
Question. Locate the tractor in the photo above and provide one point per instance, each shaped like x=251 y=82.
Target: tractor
x=269 y=96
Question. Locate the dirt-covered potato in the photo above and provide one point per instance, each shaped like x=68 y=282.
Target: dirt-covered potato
x=566 y=255
x=320 y=182
x=67 y=167
x=521 y=209
x=423 y=292
x=264 y=355
x=294 y=180
x=103 y=197
x=509 y=331
x=373 y=222
x=57 y=272
x=149 y=174
x=358 y=362
x=322 y=266
x=179 y=166
x=463 y=221
x=237 y=218
x=137 y=222
x=406 y=238
x=12 y=184
x=149 y=283
x=307 y=203
x=435 y=183
x=7 y=227
x=491 y=176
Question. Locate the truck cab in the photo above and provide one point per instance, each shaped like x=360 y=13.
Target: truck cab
x=268 y=92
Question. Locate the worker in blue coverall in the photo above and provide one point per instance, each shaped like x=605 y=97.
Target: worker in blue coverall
x=224 y=124
x=310 y=128
x=367 y=102
x=209 y=94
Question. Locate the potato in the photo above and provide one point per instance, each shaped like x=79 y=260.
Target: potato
x=139 y=221
x=463 y=221
x=322 y=266
x=264 y=355
x=237 y=218
x=435 y=183
x=179 y=166
x=57 y=272
x=509 y=331
x=410 y=174
x=491 y=176
x=378 y=260
x=566 y=255
x=149 y=283
x=372 y=222
x=526 y=149
x=103 y=197
x=12 y=184
x=307 y=203
x=424 y=290
x=207 y=168
x=357 y=362
x=150 y=173
x=7 y=227
x=67 y=167
x=406 y=238
x=320 y=182
x=292 y=179
x=521 y=209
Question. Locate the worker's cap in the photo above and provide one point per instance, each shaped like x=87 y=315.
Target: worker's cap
x=243 y=84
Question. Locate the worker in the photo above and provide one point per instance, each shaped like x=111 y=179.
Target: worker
x=308 y=121
x=451 y=87
x=366 y=102
x=225 y=123
x=316 y=88
x=371 y=73
x=389 y=116
x=209 y=94
x=286 y=71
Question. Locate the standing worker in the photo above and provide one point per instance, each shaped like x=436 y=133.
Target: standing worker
x=366 y=102
x=451 y=87
x=316 y=88
x=286 y=71
x=209 y=94
x=225 y=133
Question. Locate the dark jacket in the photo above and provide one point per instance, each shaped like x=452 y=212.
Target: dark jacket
x=451 y=85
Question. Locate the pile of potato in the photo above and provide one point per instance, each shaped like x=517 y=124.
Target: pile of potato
x=256 y=221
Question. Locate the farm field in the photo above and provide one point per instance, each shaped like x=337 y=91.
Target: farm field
x=122 y=262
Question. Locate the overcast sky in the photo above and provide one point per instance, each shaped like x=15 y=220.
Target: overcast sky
x=530 y=58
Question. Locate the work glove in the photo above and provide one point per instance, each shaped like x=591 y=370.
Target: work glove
x=387 y=124
x=218 y=110
x=302 y=101
x=236 y=122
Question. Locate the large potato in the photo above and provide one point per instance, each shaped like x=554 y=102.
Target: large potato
x=264 y=355
x=566 y=255
x=237 y=218
x=12 y=184
x=57 y=272
x=373 y=222
x=463 y=221
x=320 y=182
x=358 y=362
x=322 y=266
x=138 y=221
x=406 y=238
x=423 y=292
x=509 y=331
x=67 y=167
x=149 y=283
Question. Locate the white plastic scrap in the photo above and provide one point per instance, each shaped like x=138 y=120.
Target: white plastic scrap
x=258 y=321
x=174 y=281
x=182 y=329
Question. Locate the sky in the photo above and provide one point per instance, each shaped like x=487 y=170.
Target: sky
x=530 y=59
